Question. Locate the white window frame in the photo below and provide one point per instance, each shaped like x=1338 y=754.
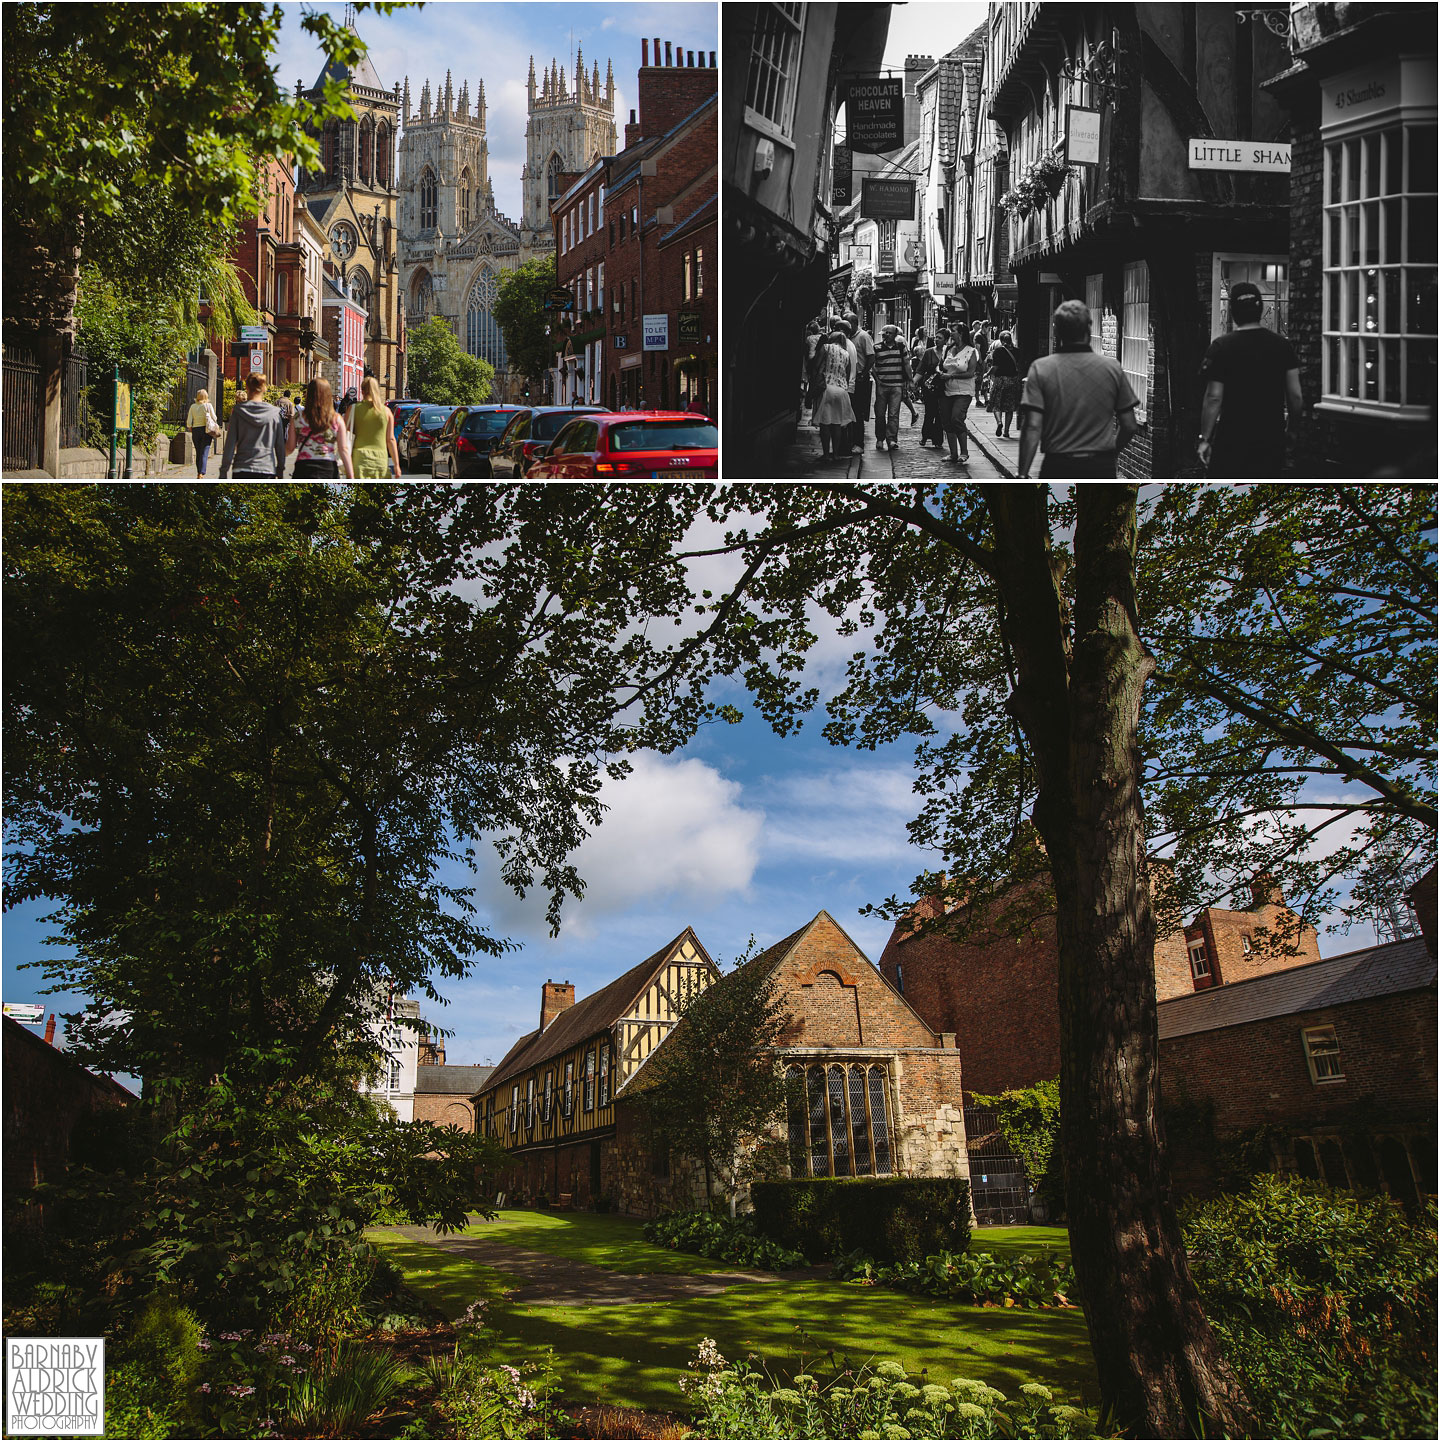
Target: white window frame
x=514 y=1108
x=1200 y=957
x=1135 y=331
x=1322 y=1046
x=569 y=1095
x=548 y=1106
x=780 y=126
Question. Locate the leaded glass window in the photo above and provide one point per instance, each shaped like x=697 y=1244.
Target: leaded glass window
x=819 y=1143
x=795 y=1118
x=839 y=1130
x=836 y=1120
x=429 y=199
x=859 y=1122
x=878 y=1120
x=482 y=330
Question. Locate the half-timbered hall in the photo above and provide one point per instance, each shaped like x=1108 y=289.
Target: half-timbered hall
x=551 y=1100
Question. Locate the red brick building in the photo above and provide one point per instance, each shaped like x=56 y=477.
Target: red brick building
x=999 y=994
x=629 y=232
x=873 y=1090
x=1334 y=1060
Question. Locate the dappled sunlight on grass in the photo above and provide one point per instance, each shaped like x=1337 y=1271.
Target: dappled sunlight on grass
x=996 y=1240
x=633 y=1355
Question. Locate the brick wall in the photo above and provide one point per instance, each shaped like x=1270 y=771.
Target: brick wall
x=1387 y=1051
x=445 y=1109
x=668 y=93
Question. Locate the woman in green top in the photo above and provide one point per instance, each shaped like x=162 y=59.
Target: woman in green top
x=374 y=428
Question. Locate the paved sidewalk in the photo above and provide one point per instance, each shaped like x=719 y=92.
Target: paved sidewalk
x=564 y=1282
x=910 y=462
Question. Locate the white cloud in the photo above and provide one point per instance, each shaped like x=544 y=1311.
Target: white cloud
x=854 y=813
x=675 y=833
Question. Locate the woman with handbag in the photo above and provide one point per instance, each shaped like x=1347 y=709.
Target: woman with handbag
x=958 y=365
x=319 y=435
x=203 y=429
x=1004 y=383
x=833 y=412
x=932 y=395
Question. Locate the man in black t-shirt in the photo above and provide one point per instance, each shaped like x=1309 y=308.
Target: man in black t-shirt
x=1252 y=380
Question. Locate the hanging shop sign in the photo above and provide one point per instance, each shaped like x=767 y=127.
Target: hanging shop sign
x=32 y=1013
x=875 y=115
x=688 y=330
x=1269 y=156
x=860 y=255
x=887 y=257
x=1110 y=334
x=841 y=192
x=887 y=199
x=942 y=285
x=559 y=299
x=656 y=329
x=1082 y=136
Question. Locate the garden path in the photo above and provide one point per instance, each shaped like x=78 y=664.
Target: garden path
x=565 y=1282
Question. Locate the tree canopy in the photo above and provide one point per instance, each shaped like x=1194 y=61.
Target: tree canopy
x=440 y=372
x=523 y=319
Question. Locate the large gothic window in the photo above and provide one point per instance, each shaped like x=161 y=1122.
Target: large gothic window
x=330 y=148
x=422 y=290
x=347 y=149
x=464 y=200
x=362 y=294
x=482 y=330
x=552 y=173
x=367 y=151
x=429 y=199
x=837 y=1120
x=382 y=155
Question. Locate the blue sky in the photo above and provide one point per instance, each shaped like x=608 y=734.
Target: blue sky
x=494 y=43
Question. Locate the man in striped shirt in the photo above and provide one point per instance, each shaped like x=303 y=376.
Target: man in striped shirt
x=892 y=375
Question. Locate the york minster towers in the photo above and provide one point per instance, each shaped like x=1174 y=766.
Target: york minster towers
x=454 y=243
x=570 y=126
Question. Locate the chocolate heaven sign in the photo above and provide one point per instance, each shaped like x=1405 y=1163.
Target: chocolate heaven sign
x=875 y=115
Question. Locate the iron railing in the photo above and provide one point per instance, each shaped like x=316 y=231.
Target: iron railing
x=999 y=1189
x=75 y=400
x=23 y=409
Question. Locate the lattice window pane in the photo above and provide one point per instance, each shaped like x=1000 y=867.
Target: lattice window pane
x=1135 y=339
x=839 y=1131
x=819 y=1148
x=859 y=1122
x=879 y=1121
x=795 y=1121
x=774 y=64
x=483 y=336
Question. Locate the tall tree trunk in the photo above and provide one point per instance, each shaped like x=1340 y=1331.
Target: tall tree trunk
x=1161 y=1371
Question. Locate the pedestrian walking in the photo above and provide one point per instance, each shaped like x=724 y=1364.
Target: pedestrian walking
x=200 y=419
x=958 y=364
x=864 y=344
x=1252 y=386
x=813 y=341
x=932 y=396
x=254 y=438
x=833 y=412
x=845 y=328
x=1004 y=382
x=892 y=375
x=373 y=425
x=318 y=438
x=1076 y=405
x=980 y=339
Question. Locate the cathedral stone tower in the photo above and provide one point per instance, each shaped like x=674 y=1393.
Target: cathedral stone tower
x=454 y=244
x=572 y=122
x=354 y=198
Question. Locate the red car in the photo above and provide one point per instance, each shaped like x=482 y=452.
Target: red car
x=639 y=445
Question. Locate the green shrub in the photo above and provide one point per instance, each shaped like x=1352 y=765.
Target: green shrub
x=1029 y=1120
x=1043 y=1280
x=880 y=1401
x=896 y=1219
x=334 y=1399
x=1325 y=1304
x=709 y=1235
x=150 y=1385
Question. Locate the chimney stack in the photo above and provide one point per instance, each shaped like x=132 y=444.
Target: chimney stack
x=555 y=997
x=1265 y=892
x=644 y=53
x=50 y=1030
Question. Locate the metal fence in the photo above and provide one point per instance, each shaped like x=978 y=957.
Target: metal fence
x=183 y=396
x=999 y=1188
x=75 y=400
x=23 y=409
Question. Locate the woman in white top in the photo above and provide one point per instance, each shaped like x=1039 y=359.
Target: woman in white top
x=199 y=418
x=833 y=411
x=958 y=362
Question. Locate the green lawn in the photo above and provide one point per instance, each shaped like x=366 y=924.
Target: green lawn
x=633 y=1355
x=997 y=1240
x=613 y=1242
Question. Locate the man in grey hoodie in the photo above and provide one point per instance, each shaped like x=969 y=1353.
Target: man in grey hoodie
x=255 y=436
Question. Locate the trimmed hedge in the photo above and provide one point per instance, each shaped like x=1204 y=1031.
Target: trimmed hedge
x=893 y=1219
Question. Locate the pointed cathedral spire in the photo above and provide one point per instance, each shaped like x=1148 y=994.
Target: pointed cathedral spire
x=480 y=104
x=405 y=101
x=425 y=102
x=579 y=73
x=610 y=84
x=449 y=98
x=462 y=106
x=530 y=86
x=595 y=84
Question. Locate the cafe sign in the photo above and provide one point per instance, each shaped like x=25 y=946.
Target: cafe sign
x=1271 y=157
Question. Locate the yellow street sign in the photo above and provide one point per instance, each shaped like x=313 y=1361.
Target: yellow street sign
x=122 y=405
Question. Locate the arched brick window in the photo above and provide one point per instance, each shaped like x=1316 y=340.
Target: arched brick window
x=367 y=151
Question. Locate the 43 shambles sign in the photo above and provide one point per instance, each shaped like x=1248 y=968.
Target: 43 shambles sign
x=875 y=115
x=55 y=1386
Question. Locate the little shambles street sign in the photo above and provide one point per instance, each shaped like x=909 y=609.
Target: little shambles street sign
x=1270 y=156
x=887 y=199
x=875 y=115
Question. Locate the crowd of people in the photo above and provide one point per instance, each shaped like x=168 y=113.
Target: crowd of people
x=849 y=373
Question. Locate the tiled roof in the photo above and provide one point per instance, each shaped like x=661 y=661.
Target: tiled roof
x=598 y=1011
x=1375 y=971
x=703 y=215
x=947 y=120
x=363 y=73
x=451 y=1080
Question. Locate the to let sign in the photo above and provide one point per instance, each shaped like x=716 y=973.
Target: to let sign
x=1269 y=156
x=875 y=115
x=885 y=199
x=656 y=330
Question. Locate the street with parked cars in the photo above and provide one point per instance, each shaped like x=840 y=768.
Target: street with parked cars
x=639 y=445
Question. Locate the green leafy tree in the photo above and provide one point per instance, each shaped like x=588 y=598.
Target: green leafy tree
x=440 y=372
x=523 y=319
x=105 y=102
x=713 y=1090
x=1029 y=1119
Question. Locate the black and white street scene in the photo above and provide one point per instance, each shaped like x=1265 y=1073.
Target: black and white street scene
x=1190 y=241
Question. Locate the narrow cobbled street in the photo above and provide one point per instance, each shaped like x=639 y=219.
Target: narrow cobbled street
x=991 y=457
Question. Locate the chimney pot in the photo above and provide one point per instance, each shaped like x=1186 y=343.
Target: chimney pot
x=50 y=1030
x=667 y=53
x=555 y=997
x=644 y=53
x=656 y=59
x=1265 y=892
x=712 y=60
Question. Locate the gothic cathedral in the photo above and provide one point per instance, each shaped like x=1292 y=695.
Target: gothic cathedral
x=353 y=197
x=454 y=244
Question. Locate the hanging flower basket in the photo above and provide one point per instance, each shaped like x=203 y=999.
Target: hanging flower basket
x=1049 y=173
